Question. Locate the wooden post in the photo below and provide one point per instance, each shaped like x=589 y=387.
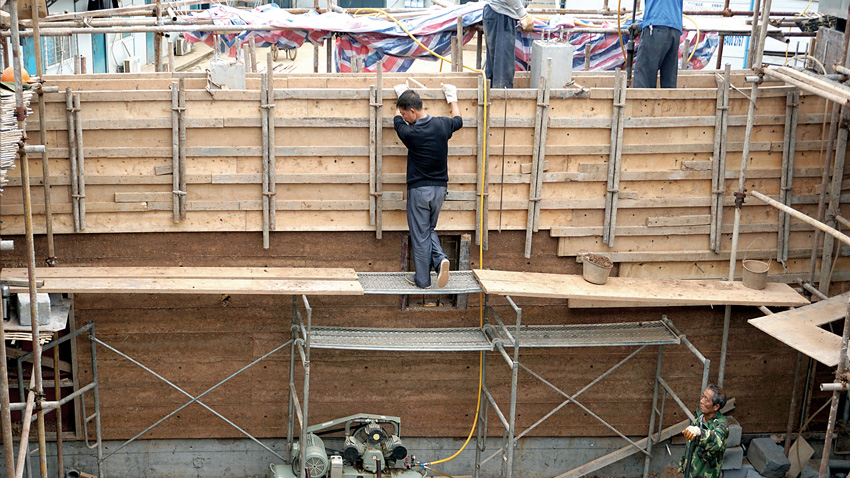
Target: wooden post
x=485 y=232
x=157 y=39
x=182 y=114
x=72 y=158
x=686 y=48
x=81 y=164
x=170 y=46
x=459 y=67
x=834 y=202
x=264 y=125
x=454 y=53
x=786 y=187
x=587 y=55
x=270 y=104
x=379 y=151
x=77 y=64
x=329 y=51
x=175 y=151
x=614 y=157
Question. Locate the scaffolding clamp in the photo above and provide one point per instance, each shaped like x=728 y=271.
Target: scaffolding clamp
x=740 y=197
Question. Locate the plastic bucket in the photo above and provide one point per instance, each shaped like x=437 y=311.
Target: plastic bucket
x=595 y=268
x=755 y=274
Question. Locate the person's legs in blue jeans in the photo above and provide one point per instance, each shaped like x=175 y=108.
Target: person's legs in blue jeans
x=670 y=62
x=423 y=210
x=500 y=34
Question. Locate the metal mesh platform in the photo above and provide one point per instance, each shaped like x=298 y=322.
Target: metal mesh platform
x=594 y=335
x=460 y=282
x=420 y=340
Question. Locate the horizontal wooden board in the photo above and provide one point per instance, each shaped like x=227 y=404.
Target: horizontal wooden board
x=655 y=291
x=199 y=286
x=85 y=273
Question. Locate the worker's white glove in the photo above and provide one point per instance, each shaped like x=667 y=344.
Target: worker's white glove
x=399 y=89
x=527 y=22
x=451 y=93
x=692 y=432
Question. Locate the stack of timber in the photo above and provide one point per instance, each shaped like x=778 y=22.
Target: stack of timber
x=649 y=183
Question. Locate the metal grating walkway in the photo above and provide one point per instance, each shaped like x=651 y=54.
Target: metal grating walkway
x=423 y=340
x=594 y=335
x=460 y=282
x=473 y=338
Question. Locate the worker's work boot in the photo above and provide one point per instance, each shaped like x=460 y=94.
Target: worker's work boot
x=443 y=274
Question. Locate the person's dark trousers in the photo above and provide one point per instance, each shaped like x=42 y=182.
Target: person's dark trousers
x=500 y=34
x=423 y=210
x=658 y=50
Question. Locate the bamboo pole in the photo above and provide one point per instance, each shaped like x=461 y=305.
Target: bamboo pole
x=45 y=174
x=787 y=174
x=803 y=217
x=833 y=409
x=5 y=412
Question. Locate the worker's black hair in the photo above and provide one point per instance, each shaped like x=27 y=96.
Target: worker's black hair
x=719 y=395
x=409 y=99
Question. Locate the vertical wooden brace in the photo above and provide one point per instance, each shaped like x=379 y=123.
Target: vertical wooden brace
x=379 y=151
x=72 y=157
x=373 y=103
x=535 y=165
x=479 y=173
x=264 y=127
x=463 y=265
x=81 y=162
x=614 y=157
x=270 y=103
x=834 y=201
x=175 y=152
x=718 y=164
x=541 y=144
x=182 y=166
x=485 y=233
x=786 y=184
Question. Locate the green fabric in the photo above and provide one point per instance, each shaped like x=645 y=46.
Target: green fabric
x=707 y=458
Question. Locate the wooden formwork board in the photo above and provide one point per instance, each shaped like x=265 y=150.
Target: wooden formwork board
x=322 y=149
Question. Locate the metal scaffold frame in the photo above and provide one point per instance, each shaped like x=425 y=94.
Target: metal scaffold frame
x=495 y=335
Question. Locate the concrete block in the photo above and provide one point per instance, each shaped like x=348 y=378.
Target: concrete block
x=229 y=73
x=740 y=472
x=24 y=313
x=735 y=431
x=561 y=54
x=733 y=458
x=768 y=458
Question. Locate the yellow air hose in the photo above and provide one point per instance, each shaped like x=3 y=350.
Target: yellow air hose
x=481 y=224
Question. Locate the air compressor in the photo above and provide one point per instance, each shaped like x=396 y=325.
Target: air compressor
x=369 y=450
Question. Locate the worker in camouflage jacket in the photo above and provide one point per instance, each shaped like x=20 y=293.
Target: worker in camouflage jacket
x=706 y=437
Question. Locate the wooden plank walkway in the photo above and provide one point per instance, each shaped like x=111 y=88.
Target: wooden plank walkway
x=800 y=328
x=192 y=280
x=662 y=292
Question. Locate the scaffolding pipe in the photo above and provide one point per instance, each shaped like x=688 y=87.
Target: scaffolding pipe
x=833 y=409
x=812 y=290
x=799 y=215
x=26 y=422
x=5 y=413
x=832 y=94
x=48 y=207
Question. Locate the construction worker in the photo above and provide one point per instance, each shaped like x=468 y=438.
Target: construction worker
x=426 y=138
x=706 y=436
x=500 y=17
x=658 y=50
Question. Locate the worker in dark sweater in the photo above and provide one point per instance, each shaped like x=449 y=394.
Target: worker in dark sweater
x=426 y=138
x=658 y=50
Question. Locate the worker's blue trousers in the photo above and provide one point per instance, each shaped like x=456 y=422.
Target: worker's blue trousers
x=658 y=50
x=500 y=34
x=423 y=210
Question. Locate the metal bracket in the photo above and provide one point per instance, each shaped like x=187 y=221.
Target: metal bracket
x=740 y=197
